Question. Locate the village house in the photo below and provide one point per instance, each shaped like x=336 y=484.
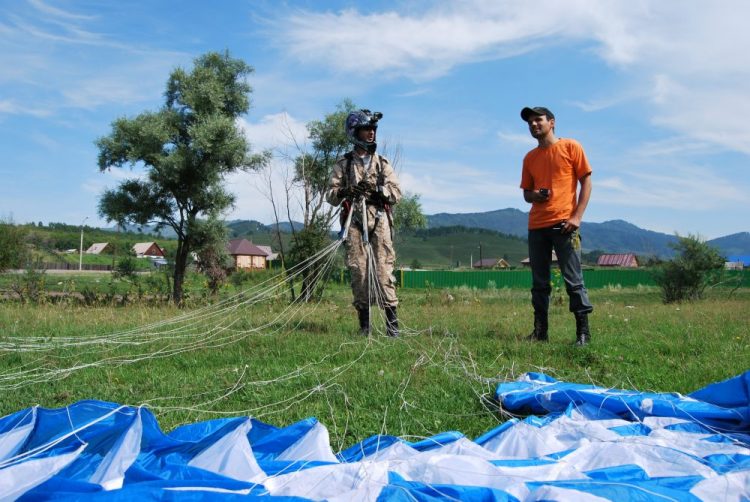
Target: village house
x=737 y=262
x=246 y=255
x=148 y=250
x=491 y=263
x=526 y=262
x=100 y=248
x=270 y=255
x=626 y=260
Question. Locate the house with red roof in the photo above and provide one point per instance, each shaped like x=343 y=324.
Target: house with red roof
x=148 y=249
x=491 y=263
x=625 y=260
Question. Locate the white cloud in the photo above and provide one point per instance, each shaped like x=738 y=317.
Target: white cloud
x=48 y=10
x=278 y=132
x=47 y=142
x=286 y=137
x=688 y=60
x=670 y=147
x=421 y=91
x=13 y=108
x=470 y=30
x=602 y=103
x=53 y=59
x=253 y=193
x=447 y=186
x=522 y=140
x=677 y=187
x=276 y=90
x=98 y=91
x=716 y=114
x=95 y=186
x=392 y=43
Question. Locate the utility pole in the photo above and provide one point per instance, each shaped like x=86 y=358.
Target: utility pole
x=80 y=256
x=481 y=265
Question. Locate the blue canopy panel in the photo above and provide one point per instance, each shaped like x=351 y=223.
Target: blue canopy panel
x=724 y=405
x=590 y=444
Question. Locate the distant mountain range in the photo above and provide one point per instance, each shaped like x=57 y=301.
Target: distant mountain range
x=241 y=228
x=237 y=228
x=614 y=236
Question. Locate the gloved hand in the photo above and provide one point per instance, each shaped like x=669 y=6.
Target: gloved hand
x=343 y=193
x=346 y=193
x=364 y=188
x=378 y=197
x=354 y=191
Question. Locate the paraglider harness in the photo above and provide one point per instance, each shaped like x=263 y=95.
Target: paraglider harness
x=383 y=207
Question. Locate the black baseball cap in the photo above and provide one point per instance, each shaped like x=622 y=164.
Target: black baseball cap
x=537 y=110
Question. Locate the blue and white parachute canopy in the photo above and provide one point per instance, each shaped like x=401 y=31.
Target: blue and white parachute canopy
x=592 y=444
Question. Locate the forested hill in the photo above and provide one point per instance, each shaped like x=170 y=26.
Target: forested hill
x=243 y=228
x=457 y=246
x=735 y=244
x=508 y=221
x=440 y=245
x=615 y=236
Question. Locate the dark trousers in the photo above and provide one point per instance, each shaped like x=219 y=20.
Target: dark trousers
x=568 y=250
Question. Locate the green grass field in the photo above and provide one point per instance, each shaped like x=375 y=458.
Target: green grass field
x=280 y=366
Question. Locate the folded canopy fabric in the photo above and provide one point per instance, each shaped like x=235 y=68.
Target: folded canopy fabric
x=592 y=444
x=724 y=405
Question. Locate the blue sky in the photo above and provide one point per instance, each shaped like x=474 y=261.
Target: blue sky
x=656 y=91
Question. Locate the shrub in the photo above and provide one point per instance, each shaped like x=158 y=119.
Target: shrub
x=305 y=244
x=126 y=268
x=239 y=277
x=13 y=250
x=159 y=284
x=31 y=285
x=688 y=274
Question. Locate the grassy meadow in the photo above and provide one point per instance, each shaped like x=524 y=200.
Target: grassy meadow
x=281 y=364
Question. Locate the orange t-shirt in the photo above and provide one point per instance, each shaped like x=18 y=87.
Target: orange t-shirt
x=557 y=167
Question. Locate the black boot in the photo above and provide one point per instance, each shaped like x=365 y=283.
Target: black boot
x=391 y=321
x=364 y=321
x=583 y=335
x=540 y=328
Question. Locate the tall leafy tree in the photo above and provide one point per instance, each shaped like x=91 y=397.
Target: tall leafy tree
x=213 y=257
x=186 y=148
x=312 y=170
x=408 y=215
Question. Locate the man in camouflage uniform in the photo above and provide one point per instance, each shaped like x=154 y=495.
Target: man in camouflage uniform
x=365 y=182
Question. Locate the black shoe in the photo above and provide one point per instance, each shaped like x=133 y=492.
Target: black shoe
x=540 y=329
x=391 y=321
x=583 y=334
x=364 y=321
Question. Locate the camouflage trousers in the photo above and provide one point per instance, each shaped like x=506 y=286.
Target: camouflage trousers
x=382 y=291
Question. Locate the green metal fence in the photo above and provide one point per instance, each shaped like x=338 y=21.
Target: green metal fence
x=483 y=279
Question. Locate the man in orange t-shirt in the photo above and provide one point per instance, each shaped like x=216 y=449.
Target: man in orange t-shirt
x=550 y=177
